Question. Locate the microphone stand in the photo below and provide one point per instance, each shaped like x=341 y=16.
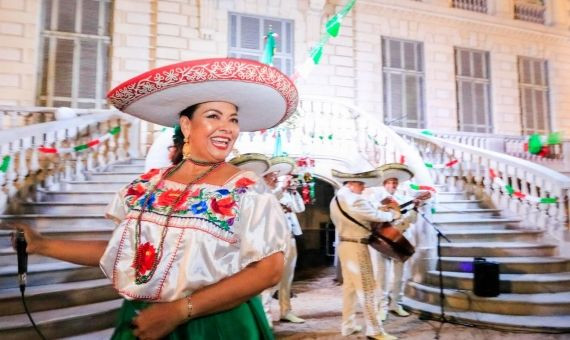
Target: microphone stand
x=440 y=235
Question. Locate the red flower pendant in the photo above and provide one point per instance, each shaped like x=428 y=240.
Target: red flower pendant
x=145 y=258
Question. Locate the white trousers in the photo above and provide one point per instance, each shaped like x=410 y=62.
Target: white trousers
x=390 y=277
x=284 y=286
x=358 y=285
x=287 y=278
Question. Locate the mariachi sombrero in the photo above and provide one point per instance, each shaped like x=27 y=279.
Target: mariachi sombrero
x=395 y=170
x=256 y=162
x=264 y=96
x=369 y=178
x=281 y=165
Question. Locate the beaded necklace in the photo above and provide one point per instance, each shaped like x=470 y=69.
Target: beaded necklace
x=141 y=278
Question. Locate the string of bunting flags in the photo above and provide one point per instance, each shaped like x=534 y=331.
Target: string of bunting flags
x=78 y=148
x=518 y=194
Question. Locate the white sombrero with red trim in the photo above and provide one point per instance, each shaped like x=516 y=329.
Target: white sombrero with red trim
x=265 y=97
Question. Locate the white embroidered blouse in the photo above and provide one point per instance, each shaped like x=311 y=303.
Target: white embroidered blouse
x=214 y=232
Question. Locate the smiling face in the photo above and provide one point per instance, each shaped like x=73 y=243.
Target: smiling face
x=212 y=130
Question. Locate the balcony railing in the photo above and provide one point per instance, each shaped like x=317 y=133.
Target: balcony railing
x=471 y=5
x=529 y=12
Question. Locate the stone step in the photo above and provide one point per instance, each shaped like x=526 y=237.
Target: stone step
x=99 y=233
x=79 y=186
x=481 y=235
x=49 y=273
x=505 y=304
x=64 y=322
x=45 y=222
x=497 y=249
x=444 y=214
x=526 y=323
x=511 y=265
x=453 y=195
x=111 y=176
x=479 y=223
x=55 y=296
x=509 y=283
x=125 y=168
x=458 y=204
x=52 y=208
x=96 y=196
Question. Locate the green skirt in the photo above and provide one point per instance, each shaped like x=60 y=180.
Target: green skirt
x=246 y=321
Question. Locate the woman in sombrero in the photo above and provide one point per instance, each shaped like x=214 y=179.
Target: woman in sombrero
x=196 y=242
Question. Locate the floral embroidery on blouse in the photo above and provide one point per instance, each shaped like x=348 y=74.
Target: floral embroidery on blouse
x=218 y=206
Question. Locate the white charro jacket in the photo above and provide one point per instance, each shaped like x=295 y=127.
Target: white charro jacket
x=358 y=207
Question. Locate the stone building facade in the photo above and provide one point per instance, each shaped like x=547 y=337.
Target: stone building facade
x=426 y=91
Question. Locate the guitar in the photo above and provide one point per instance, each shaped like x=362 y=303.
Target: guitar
x=389 y=240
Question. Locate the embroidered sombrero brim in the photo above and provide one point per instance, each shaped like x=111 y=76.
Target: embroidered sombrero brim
x=256 y=162
x=395 y=170
x=264 y=96
x=281 y=165
x=369 y=178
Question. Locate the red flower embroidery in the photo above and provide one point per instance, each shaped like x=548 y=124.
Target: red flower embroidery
x=136 y=191
x=223 y=206
x=244 y=182
x=183 y=203
x=150 y=174
x=168 y=197
x=145 y=258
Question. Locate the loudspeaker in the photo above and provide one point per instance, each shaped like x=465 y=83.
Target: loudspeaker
x=485 y=278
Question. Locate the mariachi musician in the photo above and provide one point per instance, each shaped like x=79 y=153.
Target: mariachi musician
x=390 y=292
x=352 y=214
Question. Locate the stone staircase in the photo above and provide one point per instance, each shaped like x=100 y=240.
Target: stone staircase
x=534 y=282
x=65 y=299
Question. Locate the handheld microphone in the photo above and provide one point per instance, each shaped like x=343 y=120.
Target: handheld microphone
x=21 y=245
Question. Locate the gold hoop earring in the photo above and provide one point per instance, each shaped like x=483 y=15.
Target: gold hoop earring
x=186 y=148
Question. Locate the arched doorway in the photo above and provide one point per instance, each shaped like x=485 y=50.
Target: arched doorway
x=315 y=246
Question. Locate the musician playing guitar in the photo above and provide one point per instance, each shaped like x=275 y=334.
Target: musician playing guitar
x=389 y=196
x=352 y=215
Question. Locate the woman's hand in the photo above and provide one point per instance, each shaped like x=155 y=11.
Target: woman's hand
x=33 y=238
x=159 y=319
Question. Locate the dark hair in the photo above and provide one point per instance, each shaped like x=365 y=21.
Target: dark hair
x=178 y=138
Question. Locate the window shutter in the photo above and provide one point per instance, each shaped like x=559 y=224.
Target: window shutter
x=88 y=69
x=533 y=84
x=75 y=74
x=90 y=17
x=66 y=17
x=403 y=82
x=63 y=67
x=250 y=33
x=246 y=34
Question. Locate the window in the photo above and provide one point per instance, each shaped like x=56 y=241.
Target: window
x=246 y=34
x=75 y=43
x=533 y=85
x=473 y=90
x=403 y=79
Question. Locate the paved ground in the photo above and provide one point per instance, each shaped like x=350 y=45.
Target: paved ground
x=319 y=300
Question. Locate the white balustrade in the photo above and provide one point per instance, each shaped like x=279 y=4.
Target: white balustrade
x=529 y=11
x=471 y=5
x=30 y=170
x=473 y=172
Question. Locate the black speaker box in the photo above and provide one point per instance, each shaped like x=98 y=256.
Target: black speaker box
x=485 y=278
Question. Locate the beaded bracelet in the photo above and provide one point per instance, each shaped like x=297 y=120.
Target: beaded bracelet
x=189 y=305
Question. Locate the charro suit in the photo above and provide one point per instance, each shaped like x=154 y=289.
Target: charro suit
x=358 y=281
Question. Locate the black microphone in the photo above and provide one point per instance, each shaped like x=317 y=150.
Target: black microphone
x=21 y=245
